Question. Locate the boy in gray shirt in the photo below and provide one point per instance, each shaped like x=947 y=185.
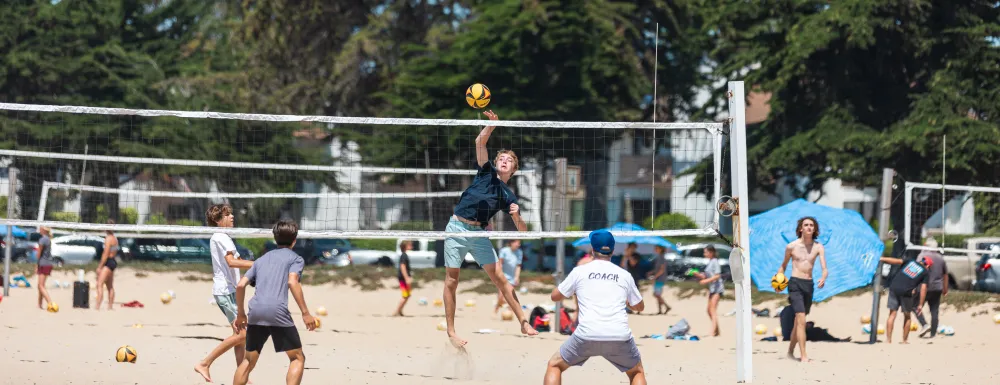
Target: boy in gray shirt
x=274 y=274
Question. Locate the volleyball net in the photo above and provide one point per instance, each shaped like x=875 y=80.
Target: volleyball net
x=960 y=219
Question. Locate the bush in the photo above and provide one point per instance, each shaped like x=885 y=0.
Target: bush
x=3 y=207
x=374 y=244
x=670 y=221
x=573 y=228
x=256 y=245
x=64 y=216
x=156 y=219
x=188 y=222
x=129 y=216
x=102 y=213
x=411 y=226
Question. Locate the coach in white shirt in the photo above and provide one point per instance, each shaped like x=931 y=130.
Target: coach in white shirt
x=603 y=290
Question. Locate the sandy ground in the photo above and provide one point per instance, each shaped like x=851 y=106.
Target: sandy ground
x=359 y=344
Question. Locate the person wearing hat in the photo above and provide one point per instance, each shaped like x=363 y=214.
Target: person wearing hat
x=603 y=291
x=910 y=283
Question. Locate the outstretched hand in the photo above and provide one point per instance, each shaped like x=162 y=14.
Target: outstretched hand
x=514 y=209
x=490 y=114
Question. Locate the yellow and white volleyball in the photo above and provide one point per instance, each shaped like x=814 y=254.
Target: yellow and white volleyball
x=470 y=303
x=165 y=298
x=867 y=329
x=321 y=311
x=779 y=282
x=442 y=326
x=881 y=329
x=478 y=96
x=137 y=326
x=777 y=331
x=865 y=319
x=438 y=303
x=21 y=284
x=172 y=294
x=507 y=315
x=996 y=319
x=914 y=327
x=422 y=301
x=53 y=307
x=126 y=354
x=761 y=329
x=318 y=323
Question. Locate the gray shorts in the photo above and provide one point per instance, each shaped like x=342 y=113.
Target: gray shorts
x=227 y=303
x=455 y=248
x=895 y=302
x=624 y=355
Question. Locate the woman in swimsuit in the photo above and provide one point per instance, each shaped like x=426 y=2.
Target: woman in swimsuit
x=106 y=269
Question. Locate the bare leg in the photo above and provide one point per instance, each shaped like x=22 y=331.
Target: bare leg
x=43 y=293
x=500 y=302
x=450 y=286
x=553 y=373
x=243 y=371
x=793 y=340
x=888 y=326
x=906 y=327
x=637 y=375
x=713 y=312
x=800 y=330
x=235 y=341
x=508 y=293
x=297 y=362
x=110 y=283
x=102 y=275
x=399 y=309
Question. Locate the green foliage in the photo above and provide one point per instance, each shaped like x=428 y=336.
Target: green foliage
x=102 y=213
x=256 y=245
x=573 y=228
x=128 y=215
x=188 y=222
x=156 y=219
x=374 y=244
x=987 y=208
x=3 y=207
x=670 y=221
x=63 y=216
x=411 y=226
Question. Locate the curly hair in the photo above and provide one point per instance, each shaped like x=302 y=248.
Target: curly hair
x=798 y=227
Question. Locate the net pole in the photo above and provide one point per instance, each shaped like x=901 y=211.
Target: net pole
x=944 y=207
x=883 y=234
x=560 y=242
x=652 y=183
x=8 y=251
x=717 y=173
x=739 y=260
x=907 y=218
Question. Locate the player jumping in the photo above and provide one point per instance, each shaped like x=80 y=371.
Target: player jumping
x=487 y=195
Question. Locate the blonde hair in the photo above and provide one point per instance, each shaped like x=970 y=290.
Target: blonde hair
x=512 y=155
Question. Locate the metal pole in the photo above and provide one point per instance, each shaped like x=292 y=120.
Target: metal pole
x=883 y=234
x=560 y=190
x=652 y=183
x=9 y=250
x=739 y=260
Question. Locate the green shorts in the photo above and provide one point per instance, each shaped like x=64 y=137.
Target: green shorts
x=227 y=303
x=455 y=248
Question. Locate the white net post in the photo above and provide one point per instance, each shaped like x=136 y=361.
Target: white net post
x=739 y=259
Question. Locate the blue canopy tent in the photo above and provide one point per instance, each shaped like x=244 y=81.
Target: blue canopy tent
x=18 y=232
x=852 y=247
x=645 y=243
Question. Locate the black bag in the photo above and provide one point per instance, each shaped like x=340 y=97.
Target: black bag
x=81 y=295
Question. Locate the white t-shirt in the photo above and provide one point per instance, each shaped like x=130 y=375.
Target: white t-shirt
x=224 y=278
x=602 y=289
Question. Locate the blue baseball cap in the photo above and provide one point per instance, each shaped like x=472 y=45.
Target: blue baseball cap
x=602 y=242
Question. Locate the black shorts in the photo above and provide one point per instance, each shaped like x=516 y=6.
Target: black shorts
x=111 y=264
x=907 y=302
x=283 y=338
x=800 y=294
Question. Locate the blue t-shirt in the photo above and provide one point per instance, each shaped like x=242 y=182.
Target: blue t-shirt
x=485 y=196
x=510 y=260
x=269 y=274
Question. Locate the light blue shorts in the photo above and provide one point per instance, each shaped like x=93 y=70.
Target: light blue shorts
x=455 y=248
x=227 y=303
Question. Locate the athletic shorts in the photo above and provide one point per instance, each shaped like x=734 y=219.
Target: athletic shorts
x=227 y=303
x=404 y=288
x=897 y=301
x=455 y=248
x=283 y=338
x=658 y=287
x=44 y=270
x=800 y=294
x=624 y=355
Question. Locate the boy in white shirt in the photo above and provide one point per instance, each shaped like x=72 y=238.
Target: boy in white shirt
x=603 y=290
x=225 y=275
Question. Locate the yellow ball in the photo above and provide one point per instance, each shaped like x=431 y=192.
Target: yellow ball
x=761 y=329
x=165 y=298
x=478 y=96
x=507 y=315
x=438 y=303
x=318 y=323
x=321 y=311
x=442 y=326
x=866 y=319
x=996 y=319
x=470 y=303
x=777 y=331
x=53 y=307
x=881 y=329
x=779 y=282
x=126 y=354
x=914 y=327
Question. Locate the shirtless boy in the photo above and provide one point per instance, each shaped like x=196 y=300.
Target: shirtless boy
x=803 y=253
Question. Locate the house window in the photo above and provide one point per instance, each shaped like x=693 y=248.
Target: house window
x=576 y=212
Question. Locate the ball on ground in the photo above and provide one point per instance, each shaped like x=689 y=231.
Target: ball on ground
x=165 y=298
x=996 y=318
x=438 y=303
x=321 y=311
x=470 y=303
x=866 y=319
x=779 y=282
x=777 y=331
x=478 y=96
x=881 y=329
x=442 y=326
x=507 y=315
x=914 y=327
x=53 y=307
x=126 y=354
x=761 y=329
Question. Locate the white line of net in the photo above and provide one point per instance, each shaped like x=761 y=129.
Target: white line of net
x=221 y=195
x=367 y=234
x=711 y=126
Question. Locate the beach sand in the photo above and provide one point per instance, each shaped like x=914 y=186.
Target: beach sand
x=359 y=343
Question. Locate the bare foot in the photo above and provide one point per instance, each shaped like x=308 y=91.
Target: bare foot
x=805 y=359
x=791 y=356
x=202 y=369
x=904 y=343
x=397 y=314
x=527 y=329
x=456 y=341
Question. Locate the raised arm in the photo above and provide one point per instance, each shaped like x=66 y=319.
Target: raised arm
x=482 y=156
x=296 y=288
x=515 y=214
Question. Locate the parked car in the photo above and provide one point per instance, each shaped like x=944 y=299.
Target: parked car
x=77 y=249
x=173 y=250
x=530 y=250
x=988 y=269
x=327 y=251
x=693 y=256
x=964 y=268
x=423 y=255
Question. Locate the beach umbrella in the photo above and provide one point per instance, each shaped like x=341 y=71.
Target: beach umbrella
x=645 y=243
x=852 y=247
x=18 y=232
